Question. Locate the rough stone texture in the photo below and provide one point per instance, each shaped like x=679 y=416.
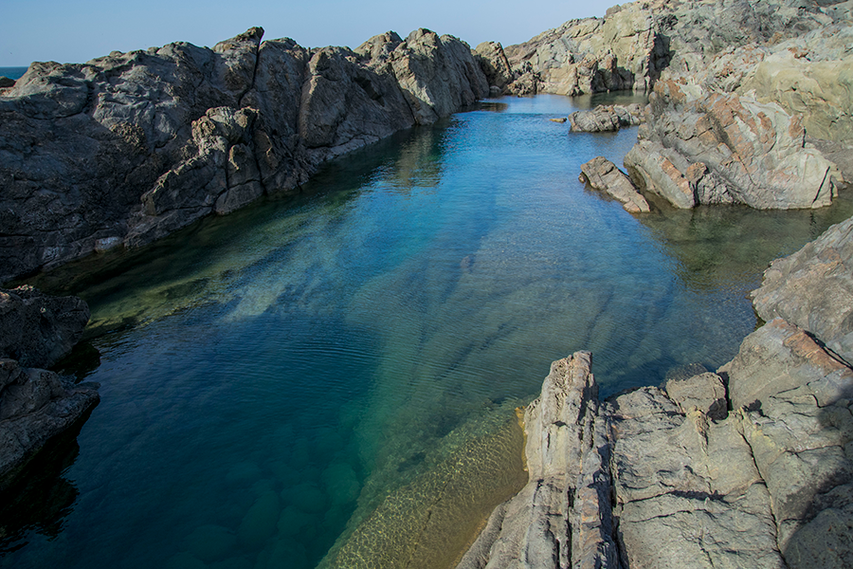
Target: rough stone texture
x=561 y=518
x=130 y=147
x=813 y=289
x=687 y=493
x=606 y=118
x=706 y=392
x=698 y=147
x=602 y=174
x=492 y=59
x=36 y=330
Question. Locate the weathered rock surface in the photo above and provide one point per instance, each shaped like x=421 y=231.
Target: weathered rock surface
x=561 y=518
x=130 y=147
x=706 y=148
x=35 y=404
x=602 y=174
x=606 y=118
x=813 y=289
x=748 y=467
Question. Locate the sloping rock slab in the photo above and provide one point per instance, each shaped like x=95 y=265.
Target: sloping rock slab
x=602 y=174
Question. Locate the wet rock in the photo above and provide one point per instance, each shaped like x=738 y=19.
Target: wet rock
x=38 y=329
x=605 y=118
x=603 y=175
x=813 y=289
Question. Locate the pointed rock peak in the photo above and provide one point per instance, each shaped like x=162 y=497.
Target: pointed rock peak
x=379 y=45
x=250 y=36
x=419 y=33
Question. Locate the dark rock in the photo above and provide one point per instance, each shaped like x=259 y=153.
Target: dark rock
x=6 y=82
x=37 y=329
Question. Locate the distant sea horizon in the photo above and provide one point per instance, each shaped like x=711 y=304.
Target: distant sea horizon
x=12 y=72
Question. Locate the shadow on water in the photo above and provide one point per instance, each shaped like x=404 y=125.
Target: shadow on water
x=41 y=497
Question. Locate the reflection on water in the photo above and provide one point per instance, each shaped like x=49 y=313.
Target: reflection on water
x=331 y=379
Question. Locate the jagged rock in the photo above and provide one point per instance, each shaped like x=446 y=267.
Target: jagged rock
x=130 y=147
x=698 y=147
x=561 y=518
x=813 y=289
x=6 y=82
x=36 y=330
x=606 y=118
x=495 y=66
x=603 y=175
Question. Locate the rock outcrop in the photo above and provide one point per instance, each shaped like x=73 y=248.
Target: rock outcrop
x=130 y=147
x=36 y=405
x=602 y=174
x=749 y=466
x=606 y=118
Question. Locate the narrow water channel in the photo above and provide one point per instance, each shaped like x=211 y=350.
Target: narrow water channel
x=317 y=379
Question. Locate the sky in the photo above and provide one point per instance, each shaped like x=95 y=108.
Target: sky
x=80 y=30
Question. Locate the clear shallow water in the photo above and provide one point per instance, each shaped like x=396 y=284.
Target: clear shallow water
x=318 y=379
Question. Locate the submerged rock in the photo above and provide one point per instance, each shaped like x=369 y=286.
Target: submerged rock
x=751 y=463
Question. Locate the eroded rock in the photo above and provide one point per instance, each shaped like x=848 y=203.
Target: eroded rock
x=605 y=118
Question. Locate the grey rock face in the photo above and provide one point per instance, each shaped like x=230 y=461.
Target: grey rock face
x=705 y=392
x=813 y=289
x=606 y=118
x=603 y=175
x=130 y=147
x=562 y=516
x=35 y=404
x=492 y=59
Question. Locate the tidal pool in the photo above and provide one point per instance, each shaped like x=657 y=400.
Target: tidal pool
x=331 y=379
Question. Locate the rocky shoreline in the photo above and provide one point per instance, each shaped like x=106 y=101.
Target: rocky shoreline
x=750 y=466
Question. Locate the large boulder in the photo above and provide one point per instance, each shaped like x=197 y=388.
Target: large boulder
x=606 y=118
x=699 y=148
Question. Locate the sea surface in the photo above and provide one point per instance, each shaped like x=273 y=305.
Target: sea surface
x=13 y=72
x=331 y=379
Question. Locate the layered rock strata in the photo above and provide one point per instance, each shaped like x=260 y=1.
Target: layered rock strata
x=602 y=174
x=747 y=467
x=36 y=405
x=130 y=147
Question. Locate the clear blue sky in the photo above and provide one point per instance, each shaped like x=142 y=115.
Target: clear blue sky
x=74 y=31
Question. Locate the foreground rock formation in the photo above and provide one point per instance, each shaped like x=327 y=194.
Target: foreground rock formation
x=747 y=467
x=36 y=405
x=132 y=146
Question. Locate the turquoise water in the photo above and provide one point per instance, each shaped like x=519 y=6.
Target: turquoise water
x=285 y=386
x=12 y=72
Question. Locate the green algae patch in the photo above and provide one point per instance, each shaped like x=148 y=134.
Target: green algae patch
x=430 y=522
